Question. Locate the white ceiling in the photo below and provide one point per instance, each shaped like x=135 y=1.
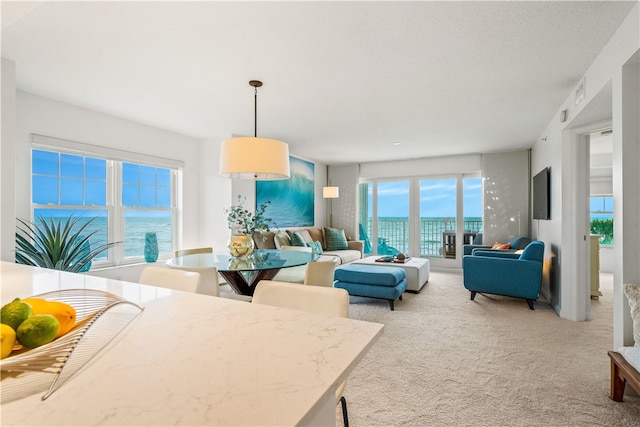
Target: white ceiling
x=343 y=81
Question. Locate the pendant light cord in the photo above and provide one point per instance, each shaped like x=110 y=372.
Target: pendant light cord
x=255 y=112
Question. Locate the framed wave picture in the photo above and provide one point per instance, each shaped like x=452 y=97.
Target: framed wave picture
x=291 y=199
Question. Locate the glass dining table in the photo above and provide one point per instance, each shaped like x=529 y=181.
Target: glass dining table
x=244 y=273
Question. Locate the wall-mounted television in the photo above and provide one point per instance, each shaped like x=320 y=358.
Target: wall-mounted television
x=542 y=194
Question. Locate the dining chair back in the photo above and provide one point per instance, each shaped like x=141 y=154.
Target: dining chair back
x=210 y=283
x=316 y=299
x=320 y=273
x=182 y=252
x=170 y=278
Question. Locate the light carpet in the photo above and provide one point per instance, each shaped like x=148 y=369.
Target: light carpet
x=444 y=360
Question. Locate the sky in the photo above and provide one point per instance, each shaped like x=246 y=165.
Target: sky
x=73 y=180
x=437 y=198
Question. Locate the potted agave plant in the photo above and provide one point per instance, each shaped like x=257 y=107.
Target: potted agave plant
x=59 y=245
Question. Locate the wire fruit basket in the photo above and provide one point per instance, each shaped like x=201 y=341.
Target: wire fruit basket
x=100 y=317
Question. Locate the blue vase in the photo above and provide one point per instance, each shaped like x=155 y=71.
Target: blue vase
x=150 y=247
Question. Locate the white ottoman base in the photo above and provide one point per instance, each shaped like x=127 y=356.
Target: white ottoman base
x=417 y=270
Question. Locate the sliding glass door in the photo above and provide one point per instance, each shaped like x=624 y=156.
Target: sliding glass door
x=438 y=207
x=393 y=217
x=429 y=217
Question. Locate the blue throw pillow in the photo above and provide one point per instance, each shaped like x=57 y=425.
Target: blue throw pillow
x=335 y=239
x=297 y=240
x=316 y=246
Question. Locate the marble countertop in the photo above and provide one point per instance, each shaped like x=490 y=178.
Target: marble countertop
x=191 y=359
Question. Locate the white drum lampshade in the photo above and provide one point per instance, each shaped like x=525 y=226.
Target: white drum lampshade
x=254 y=158
x=330 y=192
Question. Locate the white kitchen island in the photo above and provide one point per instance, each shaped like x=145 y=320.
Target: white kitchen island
x=197 y=360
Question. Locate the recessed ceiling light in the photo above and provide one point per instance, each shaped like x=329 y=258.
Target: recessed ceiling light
x=396 y=143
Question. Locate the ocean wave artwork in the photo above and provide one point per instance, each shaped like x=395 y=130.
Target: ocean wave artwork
x=291 y=199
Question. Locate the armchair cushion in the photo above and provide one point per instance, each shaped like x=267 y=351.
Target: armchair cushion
x=515 y=244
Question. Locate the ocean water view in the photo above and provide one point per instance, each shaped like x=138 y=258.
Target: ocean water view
x=135 y=228
x=394 y=232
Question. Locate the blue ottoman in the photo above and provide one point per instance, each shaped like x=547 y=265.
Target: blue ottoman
x=372 y=281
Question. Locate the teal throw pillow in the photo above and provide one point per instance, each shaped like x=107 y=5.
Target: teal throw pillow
x=335 y=239
x=297 y=240
x=316 y=246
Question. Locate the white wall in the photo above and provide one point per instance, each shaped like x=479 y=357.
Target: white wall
x=214 y=196
x=345 y=207
x=422 y=167
x=558 y=147
x=39 y=115
x=506 y=195
x=7 y=164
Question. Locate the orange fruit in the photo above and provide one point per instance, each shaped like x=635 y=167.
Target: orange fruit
x=65 y=313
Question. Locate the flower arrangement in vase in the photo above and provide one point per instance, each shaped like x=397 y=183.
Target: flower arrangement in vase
x=243 y=225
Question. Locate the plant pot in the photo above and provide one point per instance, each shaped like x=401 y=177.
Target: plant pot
x=240 y=245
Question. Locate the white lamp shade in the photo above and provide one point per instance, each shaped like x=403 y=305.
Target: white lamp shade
x=330 y=192
x=254 y=158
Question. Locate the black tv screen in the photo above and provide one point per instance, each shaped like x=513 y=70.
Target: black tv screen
x=542 y=195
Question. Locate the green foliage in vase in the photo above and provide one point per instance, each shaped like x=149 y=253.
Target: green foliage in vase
x=243 y=221
x=56 y=245
x=603 y=227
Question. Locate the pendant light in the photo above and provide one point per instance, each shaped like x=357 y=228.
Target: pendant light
x=252 y=157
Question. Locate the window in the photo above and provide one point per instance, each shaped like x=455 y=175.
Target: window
x=129 y=199
x=420 y=216
x=601 y=218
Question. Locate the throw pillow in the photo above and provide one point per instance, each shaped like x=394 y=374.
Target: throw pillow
x=316 y=236
x=305 y=236
x=281 y=239
x=297 y=240
x=633 y=295
x=316 y=247
x=497 y=245
x=335 y=239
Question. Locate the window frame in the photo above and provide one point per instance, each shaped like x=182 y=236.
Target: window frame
x=115 y=210
x=602 y=212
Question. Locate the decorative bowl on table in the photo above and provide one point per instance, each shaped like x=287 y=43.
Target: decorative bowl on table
x=100 y=316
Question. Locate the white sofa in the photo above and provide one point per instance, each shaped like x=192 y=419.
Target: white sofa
x=275 y=240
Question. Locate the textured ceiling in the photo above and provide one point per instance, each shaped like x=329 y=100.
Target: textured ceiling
x=343 y=81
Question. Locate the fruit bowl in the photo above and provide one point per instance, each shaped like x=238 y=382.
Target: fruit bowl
x=100 y=316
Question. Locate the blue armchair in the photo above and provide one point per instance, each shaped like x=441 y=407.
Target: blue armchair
x=505 y=273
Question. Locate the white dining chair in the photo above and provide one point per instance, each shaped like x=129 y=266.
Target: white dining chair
x=210 y=283
x=170 y=278
x=320 y=273
x=315 y=299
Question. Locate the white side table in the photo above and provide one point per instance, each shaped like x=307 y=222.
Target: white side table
x=417 y=270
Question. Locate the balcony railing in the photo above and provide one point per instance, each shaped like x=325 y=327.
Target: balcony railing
x=394 y=233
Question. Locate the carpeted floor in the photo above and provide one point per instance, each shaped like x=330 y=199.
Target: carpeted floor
x=444 y=360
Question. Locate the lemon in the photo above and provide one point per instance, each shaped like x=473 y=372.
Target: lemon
x=14 y=313
x=38 y=330
x=7 y=340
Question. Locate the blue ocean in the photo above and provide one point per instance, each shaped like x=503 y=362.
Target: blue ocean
x=135 y=228
x=394 y=232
